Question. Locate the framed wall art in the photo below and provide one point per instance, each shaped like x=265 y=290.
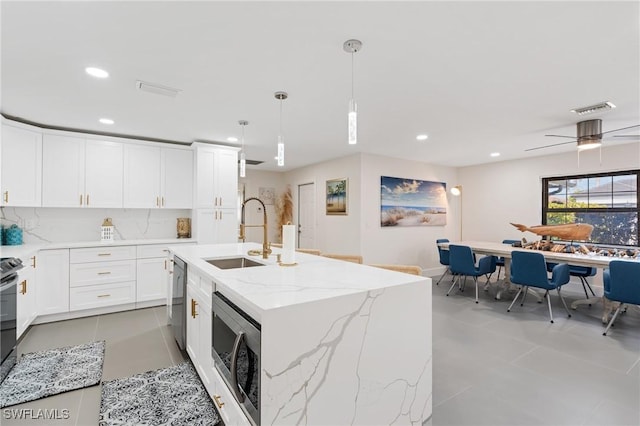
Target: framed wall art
x=336 y=196
x=412 y=202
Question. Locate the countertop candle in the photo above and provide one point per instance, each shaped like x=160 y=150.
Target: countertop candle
x=288 y=244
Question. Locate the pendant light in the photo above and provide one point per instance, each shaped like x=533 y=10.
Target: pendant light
x=352 y=46
x=243 y=160
x=281 y=96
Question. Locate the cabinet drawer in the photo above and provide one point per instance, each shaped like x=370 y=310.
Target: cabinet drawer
x=99 y=254
x=95 y=296
x=230 y=411
x=82 y=274
x=152 y=250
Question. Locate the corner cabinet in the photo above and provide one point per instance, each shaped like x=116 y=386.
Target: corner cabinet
x=21 y=176
x=81 y=173
x=157 y=177
x=215 y=219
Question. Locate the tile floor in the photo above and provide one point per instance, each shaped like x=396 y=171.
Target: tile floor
x=490 y=367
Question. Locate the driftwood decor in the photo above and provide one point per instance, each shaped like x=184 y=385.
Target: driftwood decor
x=568 y=232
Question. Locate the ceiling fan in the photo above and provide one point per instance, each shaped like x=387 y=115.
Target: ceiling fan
x=589 y=135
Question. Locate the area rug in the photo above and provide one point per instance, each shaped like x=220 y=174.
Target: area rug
x=40 y=374
x=169 y=396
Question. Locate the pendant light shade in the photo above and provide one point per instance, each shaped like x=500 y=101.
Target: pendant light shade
x=243 y=160
x=352 y=46
x=281 y=96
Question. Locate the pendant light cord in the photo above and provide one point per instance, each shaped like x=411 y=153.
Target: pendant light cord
x=352 y=78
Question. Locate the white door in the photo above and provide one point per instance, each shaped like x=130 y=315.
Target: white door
x=205 y=192
x=52 y=295
x=141 y=176
x=151 y=282
x=306 y=216
x=62 y=171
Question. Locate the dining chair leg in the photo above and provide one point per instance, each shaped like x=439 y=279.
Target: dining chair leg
x=442 y=276
x=585 y=281
x=584 y=287
x=454 y=284
x=475 y=280
x=499 y=270
x=514 y=299
x=524 y=295
x=564 y=303
x=613 y=319
x=549 y=304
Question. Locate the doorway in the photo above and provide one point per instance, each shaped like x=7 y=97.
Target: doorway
x=306 y=216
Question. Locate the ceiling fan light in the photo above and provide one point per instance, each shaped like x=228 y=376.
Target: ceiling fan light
x=585 y=145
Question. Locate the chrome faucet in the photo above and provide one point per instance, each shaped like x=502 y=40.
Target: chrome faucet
x=265 y=244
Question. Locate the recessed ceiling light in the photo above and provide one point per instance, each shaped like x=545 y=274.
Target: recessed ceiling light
x=602 y=106
x=495 y=154
x=422 y=137
x=232 y=139
x=106 y=121
x=96 y=72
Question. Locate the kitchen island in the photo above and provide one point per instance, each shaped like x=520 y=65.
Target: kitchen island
x=341 y=343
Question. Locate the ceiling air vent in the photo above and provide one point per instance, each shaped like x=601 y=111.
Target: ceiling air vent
x=158 y=89
x=253 y=162
x=594 y=108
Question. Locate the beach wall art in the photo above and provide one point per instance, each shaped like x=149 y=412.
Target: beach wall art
x=336 y=197
x=412 y=202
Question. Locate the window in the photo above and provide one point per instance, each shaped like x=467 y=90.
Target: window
x=608 y=201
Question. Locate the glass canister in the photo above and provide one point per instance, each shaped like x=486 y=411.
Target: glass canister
x=184 y=227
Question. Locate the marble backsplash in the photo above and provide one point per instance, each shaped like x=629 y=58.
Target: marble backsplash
x=43 y=225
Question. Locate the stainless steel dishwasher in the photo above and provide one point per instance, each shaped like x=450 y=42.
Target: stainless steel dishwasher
x=178 y=312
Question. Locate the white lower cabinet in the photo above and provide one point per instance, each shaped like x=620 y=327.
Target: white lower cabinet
x=229 y=410
x=53 y=275
x=152 y=280
x=199 y=329
x=95 y=284
x=26 y=303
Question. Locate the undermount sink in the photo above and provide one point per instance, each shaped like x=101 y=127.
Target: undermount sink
x=233 y=263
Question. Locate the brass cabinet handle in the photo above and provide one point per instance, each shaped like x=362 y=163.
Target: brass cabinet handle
x=220 y=201
x=220 y=215
x=104 y=254
x=157 y=201
x=104 y=295
x=104 y=273
x=87 y=199
x=23 y=290
x=193 y=308
x=165 y=264
x=162 y=201
x=6 y=196
x=33 y=260
x=219 y=403
x=80 y=199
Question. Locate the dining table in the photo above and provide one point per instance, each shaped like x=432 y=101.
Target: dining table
x=490 y=248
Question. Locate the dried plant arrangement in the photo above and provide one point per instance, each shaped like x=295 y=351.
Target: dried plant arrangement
x=284 y=210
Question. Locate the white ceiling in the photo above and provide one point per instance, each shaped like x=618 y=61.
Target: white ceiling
x=478 y=77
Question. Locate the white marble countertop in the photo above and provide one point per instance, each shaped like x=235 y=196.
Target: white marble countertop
x=262 y=288
x=26 y=250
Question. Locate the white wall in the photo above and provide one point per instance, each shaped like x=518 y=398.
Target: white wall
x=255 y=180
x=511 y=191
x=339 y=233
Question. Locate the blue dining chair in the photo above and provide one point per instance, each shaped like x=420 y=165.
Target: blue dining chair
x=462 y=263
x=621 y=284
x=529 y=269
x=444 y=257
x=582 y=272
x=500 y=260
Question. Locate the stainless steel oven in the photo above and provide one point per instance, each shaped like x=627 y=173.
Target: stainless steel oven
x=235 y=350
x=8 y=314
x=178 y=312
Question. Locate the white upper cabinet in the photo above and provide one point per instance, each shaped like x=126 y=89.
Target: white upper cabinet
x=81 y=173
x=157 y=177
x=216 y=177
x=63 y=171
x=141 y=176
x=21 y=178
